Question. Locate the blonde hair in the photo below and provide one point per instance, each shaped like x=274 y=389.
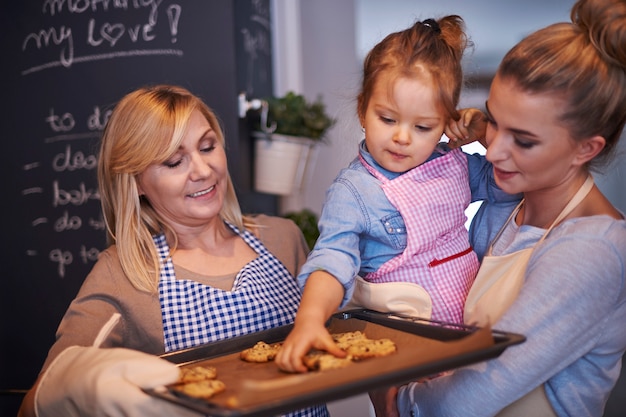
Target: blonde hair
x=582 y=62
x=437 y=46
x=145 y=128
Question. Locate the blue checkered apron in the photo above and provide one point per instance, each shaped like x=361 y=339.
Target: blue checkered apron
x=264 y=296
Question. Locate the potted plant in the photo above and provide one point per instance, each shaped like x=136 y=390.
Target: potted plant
x=306 y=220
x=286 y=142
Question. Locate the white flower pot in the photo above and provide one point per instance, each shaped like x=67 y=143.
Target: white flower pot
x=283 y=164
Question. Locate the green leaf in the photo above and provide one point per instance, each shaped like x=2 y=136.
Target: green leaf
x=295 y=116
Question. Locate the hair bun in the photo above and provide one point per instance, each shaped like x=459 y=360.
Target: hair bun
x=604 y=22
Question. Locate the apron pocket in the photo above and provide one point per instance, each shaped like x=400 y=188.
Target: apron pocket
x=392 y=297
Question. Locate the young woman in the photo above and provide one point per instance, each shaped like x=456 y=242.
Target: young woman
x=556 y=271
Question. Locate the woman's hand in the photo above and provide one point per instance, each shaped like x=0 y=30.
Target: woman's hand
x=471 y=127
x=92 y=381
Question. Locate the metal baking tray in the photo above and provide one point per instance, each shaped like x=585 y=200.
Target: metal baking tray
x=425 y=348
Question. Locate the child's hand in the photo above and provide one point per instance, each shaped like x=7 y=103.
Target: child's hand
x=302 y=338
x=469 y=128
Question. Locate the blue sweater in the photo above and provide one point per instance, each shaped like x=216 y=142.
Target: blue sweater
x=572 y=310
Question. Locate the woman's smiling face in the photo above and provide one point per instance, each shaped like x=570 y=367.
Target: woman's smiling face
x=529 y=147
x=188 y=189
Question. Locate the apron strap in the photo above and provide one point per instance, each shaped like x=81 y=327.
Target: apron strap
x=575 y=201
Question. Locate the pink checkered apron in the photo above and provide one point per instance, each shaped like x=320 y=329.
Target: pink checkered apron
x=432 y=199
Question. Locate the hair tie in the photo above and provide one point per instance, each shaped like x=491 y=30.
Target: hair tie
x=431 y=23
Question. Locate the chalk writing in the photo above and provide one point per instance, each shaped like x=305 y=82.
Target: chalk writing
x=41 y=220
x=100 y=57
x=256 y=40
x=68 y=199
x=72 y=161
x=65 y=222
x=73 y=136
x=76 y=197
x=101 y=33
x=110 y=29
x=32 y=190
x=30 y=166
x=173 y=13
x=111 y=33
x=44 y=39
x=60 y=123
x=52 y=7
x=98 y=120
x=64 y=258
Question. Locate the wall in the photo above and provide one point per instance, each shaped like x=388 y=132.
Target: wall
x=305 y=63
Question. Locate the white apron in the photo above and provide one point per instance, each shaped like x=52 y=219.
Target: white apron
x=264 y=295
x=497 y=285
x=432 y=276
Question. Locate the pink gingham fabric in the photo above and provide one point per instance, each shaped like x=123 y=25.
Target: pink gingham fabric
x=432 y=199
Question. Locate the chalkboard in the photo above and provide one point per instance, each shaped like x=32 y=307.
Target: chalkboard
x=65 y=65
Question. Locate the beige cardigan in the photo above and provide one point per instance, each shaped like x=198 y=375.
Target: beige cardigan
x=106 y=291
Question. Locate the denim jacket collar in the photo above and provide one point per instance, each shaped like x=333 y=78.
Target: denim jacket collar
x=439 y=150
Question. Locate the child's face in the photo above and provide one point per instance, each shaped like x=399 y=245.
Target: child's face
x=403 y=121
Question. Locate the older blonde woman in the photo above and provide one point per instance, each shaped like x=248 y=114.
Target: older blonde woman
x=184 y=266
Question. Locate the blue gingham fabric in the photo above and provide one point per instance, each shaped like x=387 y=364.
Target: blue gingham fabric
x=264 y=295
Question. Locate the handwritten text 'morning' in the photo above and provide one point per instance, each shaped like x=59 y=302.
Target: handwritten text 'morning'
x=53 y=7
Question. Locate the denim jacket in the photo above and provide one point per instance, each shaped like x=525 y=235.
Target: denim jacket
x=355 y=237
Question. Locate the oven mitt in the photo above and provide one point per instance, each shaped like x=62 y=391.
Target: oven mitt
x=90 y=381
